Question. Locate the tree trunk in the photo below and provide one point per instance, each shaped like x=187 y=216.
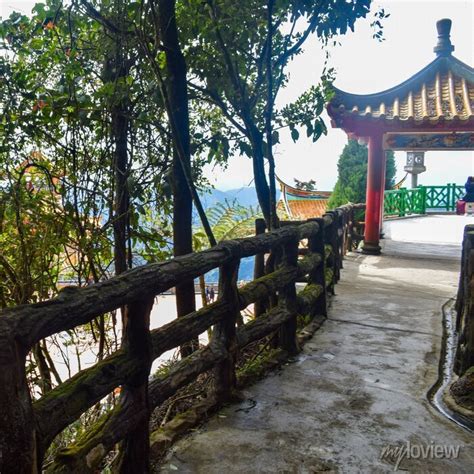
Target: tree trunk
x=202 y=286
x=135 y=316
x=17 y=434
x=273 y=219
x=182 y=200
x=261 y=185
x=45 y=382
x=134 y=453
x=120 y=166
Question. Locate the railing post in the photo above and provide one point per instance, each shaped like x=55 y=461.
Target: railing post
x=224 y=332
x=464 y=358
x=318 y=275
x=463 y=286
x=453 y=197
x=402 y=210
x=453 y=200
x=448 y=195
x=135 y=447
x=335 y=243
x=423 y=199
x=340 y=241
x=347 y=230
x=287 y=299
x=345 y=235
x=331 y=240
x=18 y=451
x=259 y=267
x=350 y=229
x=342 y=238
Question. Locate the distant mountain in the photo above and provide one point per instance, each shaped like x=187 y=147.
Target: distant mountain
x=245 y=196
x=246 y=269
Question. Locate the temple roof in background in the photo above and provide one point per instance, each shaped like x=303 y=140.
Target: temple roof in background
x=298 y=204
x=301 y=209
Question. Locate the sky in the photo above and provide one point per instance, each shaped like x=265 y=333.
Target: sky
x=363 y=65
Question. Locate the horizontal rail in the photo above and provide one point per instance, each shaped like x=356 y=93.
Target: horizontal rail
x=326 y=239
x=180 y=375
x=402 y=202
x=75 y=306
x=85 y=389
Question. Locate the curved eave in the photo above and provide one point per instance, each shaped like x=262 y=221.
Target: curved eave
x=303 y=193
x=440 y=95
x=441 y=64
x=357 y=126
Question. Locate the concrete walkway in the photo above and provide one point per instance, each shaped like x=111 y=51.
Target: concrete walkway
x=359 y=385
x=440 y=236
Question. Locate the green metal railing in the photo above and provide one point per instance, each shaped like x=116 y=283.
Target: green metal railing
x=443 y=197
x=403 y=202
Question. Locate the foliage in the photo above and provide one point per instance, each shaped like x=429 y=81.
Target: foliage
x=352 y=174
x=255 y=367
x=31 y=237
x=57 y=170
x=87 y=137
x=229 y=220
x=59 y=104
x=238 y=53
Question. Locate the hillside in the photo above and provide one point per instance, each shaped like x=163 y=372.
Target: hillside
x=245 y=196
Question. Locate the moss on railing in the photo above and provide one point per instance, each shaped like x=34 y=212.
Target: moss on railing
x=24 y=439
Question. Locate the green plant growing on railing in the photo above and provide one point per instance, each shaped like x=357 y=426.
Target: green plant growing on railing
x=255 y=367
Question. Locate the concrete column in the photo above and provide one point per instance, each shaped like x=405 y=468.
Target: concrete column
x=415 y=165
x=374 y=194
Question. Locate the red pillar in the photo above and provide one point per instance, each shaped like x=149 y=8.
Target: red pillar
x=384 y=170
x=374 y=194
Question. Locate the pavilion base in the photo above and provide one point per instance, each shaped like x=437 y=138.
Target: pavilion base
x=371 y=249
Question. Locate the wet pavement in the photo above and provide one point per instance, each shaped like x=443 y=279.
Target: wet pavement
x=358 y=389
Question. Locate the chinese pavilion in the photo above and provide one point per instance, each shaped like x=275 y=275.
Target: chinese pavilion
x=432 y=110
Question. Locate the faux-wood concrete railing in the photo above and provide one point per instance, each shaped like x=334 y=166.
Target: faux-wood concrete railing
x=465 y=305
x=28 y=427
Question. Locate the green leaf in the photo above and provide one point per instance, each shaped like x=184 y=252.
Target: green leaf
x=295 y=135
x=245 y=149
x=36 y=43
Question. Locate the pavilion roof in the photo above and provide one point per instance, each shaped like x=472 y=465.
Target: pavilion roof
x=441 y=92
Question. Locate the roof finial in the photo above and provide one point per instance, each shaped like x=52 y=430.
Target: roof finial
x=444 y=46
